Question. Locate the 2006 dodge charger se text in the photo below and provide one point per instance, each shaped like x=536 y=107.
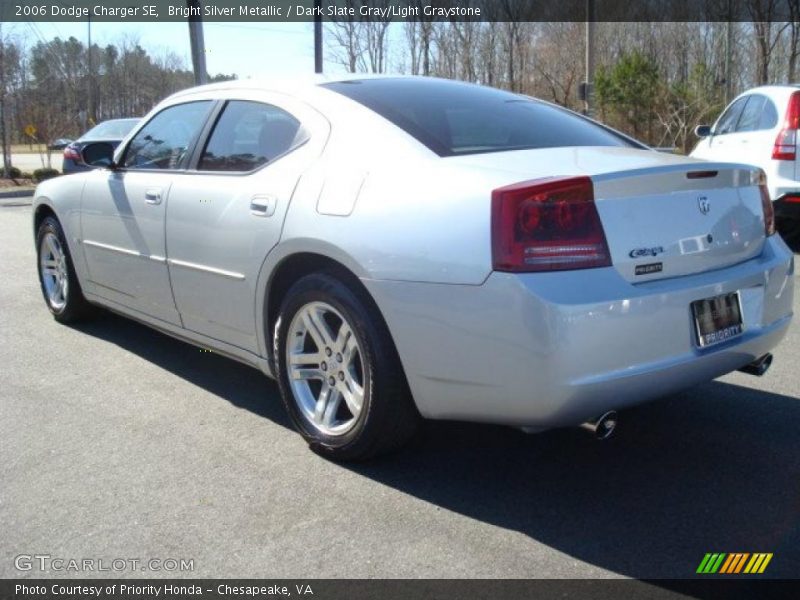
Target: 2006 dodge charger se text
x=393 y=248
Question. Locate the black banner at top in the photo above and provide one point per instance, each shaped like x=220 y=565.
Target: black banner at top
x=401 y=10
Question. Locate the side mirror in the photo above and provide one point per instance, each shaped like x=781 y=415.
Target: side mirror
x=98 y=154
x=702 y=131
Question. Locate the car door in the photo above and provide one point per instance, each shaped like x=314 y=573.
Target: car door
x=751 y=143
x=723 y=144
x=226 y=213
x=123 y=213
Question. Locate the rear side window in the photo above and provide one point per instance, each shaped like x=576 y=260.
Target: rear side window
x=454 y=118
x=751 y=114
x=727 y=122
x=769 y=115
x=164 y=142
x=248 y=135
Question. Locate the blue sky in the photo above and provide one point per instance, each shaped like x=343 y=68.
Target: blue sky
x=248 y=49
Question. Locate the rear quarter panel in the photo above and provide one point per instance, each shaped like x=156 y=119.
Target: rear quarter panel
x=391 y=207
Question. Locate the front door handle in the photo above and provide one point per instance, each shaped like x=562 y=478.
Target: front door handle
x=152 y=196
x=263 y=206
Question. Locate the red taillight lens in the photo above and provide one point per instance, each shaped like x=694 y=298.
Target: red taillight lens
x=72 y=153
x=769 y=210
x=785 y=147
x=547 y=225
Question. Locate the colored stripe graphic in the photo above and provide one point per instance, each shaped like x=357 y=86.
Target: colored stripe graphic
x=711 y=563
x=758 y=563
x=730 y=564
x=727 y=564
x=703 y=563
x=738 y=563
x=716 y=565
x=744 y=558
x=734 y=563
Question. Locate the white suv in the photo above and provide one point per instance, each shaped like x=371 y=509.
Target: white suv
x=760 y=128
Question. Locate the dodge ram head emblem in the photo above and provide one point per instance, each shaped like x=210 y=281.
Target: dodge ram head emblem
x=703 y=204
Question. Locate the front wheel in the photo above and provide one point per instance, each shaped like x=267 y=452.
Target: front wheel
x=339 y=373
x=60 y=287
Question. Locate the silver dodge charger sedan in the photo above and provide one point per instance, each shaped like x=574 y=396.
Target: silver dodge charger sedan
x=394 y=248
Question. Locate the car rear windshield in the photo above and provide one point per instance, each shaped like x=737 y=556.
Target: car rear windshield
x=454 y=118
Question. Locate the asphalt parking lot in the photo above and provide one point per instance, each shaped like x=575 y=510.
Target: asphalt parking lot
x=117 y=441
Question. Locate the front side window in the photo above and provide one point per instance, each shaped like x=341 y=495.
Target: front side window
x=164 y=142
x=248 y=135
x=727 y=122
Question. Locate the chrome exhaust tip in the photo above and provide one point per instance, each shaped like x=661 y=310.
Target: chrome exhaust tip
x=759 y=366
x=603 y=427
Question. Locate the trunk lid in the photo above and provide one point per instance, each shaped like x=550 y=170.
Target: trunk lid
x=663 y=215
x=680 y=220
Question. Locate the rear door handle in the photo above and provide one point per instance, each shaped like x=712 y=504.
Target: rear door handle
x=152 y=196
x=263 y=206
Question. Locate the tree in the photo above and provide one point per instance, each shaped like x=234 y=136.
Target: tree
x=687 y=104
x=47 y=85
x=9 y=68
x=794 y=40
x=767 y=34
x=345 y=40
x=627 y=92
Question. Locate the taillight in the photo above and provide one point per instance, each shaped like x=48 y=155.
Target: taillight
x=72 y=153
x=547 y=225
x=785 y=147
x=769 y=210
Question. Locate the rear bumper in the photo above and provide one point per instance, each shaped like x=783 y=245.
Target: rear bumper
x=553 y=349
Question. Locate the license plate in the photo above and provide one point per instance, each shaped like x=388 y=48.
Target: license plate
x=717 y=319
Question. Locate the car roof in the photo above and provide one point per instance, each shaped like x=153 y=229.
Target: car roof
x=779 y=86
x=780 y=90
x=287 y=84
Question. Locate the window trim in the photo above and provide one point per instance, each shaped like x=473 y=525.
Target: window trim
x=208 y=131
x=213 y=106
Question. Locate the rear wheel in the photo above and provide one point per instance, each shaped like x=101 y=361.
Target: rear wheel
x=339 y=373
x=60 y=288
x=789 y=230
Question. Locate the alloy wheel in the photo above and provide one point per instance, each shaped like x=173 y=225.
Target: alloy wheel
x=325 y=368
x=53 y=266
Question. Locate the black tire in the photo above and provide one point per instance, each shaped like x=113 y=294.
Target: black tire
x=74 y=307
x=789 y=229
x=388 y=417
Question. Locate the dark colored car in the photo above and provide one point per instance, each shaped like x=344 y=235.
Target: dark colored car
x=59 y=144
x=108 y=131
